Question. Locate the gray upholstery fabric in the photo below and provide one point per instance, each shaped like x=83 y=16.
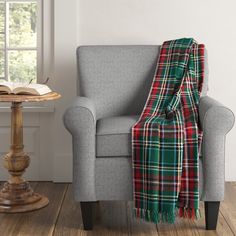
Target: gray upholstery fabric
x=117 y=78
x=121 y=73
x=80 y=121
x=216 y=121
x=116 y=81
x=114 y=136
x=114 y=178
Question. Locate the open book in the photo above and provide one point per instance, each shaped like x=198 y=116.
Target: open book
x=23 y=88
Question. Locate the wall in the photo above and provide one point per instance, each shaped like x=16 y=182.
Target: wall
x=65 y=25
x=153 y=21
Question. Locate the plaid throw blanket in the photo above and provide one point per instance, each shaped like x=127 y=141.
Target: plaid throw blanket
x=167 y=136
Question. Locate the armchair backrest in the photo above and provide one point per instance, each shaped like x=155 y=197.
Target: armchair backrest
x=117 y=78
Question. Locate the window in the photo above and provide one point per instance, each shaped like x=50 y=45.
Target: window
x=19 y=40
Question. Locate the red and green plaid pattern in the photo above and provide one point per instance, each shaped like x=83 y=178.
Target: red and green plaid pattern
x=167 y=136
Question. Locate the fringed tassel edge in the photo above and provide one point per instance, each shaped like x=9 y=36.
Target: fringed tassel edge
x=166 y=216
x=190 y=213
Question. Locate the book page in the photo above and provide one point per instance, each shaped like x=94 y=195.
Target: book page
x=24 y=88
x=6 y=87
x=34 y=89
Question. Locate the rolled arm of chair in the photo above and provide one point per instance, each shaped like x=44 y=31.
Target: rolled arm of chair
x=216 y=121
x=80 y=121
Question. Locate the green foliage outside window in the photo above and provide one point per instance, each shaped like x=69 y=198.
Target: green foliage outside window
x=22 y=64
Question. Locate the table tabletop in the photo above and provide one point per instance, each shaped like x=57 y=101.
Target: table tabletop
x=29 y=98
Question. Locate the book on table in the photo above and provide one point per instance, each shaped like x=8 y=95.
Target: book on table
x=23 y=88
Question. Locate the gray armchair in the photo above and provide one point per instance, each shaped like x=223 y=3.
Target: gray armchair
x=114 y=82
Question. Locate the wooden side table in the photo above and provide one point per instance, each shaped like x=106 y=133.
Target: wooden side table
x=17 y=195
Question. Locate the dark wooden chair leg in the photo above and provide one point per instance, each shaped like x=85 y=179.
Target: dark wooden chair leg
x=211 y=214
x=87 y=210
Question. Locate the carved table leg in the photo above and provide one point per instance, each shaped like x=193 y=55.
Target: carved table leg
x=17 y=195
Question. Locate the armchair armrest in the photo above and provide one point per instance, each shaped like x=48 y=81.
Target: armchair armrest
x=82 y=112
x=80 y=121
x=216 y=121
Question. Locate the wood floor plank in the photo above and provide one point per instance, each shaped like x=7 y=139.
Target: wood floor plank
x=9 y=221
x=186 y=227
x=111 y=219
x=164 y=229
x=41 y=222
x=70 y=221
x=63 y=218
x=228 y=206
x=139 y=227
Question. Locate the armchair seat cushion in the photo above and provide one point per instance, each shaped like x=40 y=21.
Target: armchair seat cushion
x=113 y=136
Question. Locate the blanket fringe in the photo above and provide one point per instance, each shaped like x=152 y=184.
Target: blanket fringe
x=166 y=216
x=190 y=213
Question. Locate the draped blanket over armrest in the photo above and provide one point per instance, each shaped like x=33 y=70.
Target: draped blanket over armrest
x=167 y=137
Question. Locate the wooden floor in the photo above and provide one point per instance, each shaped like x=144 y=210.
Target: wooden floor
x=62 y=217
